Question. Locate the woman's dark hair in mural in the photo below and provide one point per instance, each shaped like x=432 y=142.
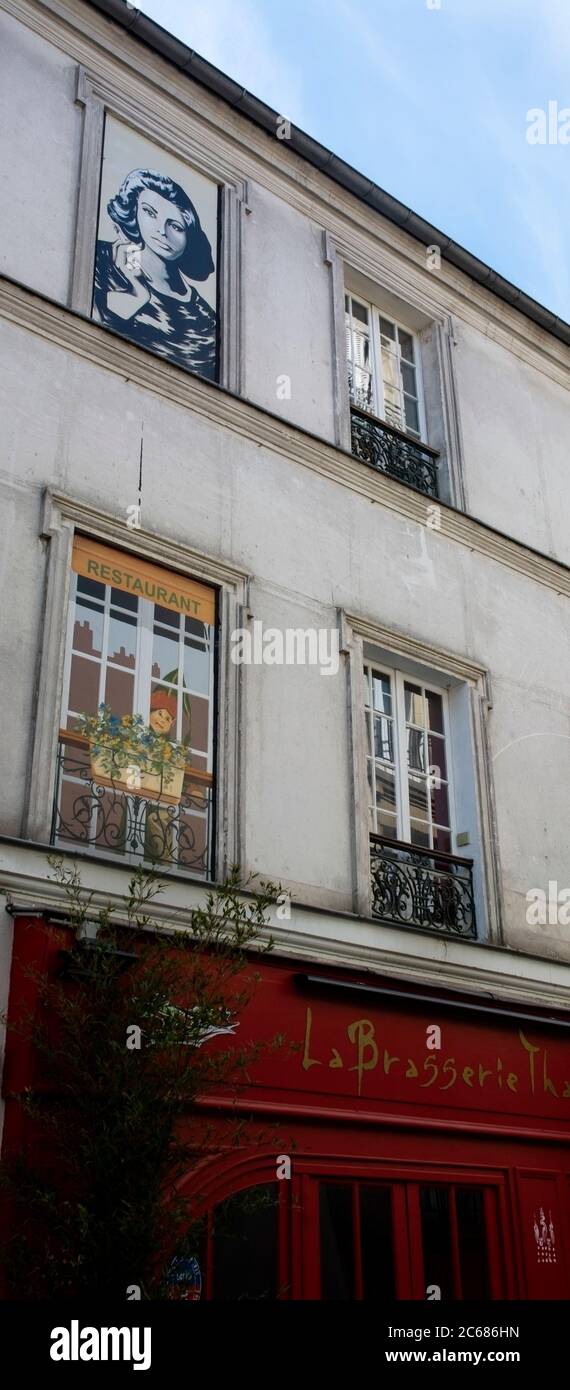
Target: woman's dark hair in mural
x=196 y=261
x=141 y=285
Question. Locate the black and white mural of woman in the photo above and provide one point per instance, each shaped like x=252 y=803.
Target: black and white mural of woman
x=143 y=276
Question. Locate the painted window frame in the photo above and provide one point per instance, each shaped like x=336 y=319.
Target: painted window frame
x=399 y=679
x=378 y=408
x=98 y=100
x=62 y=518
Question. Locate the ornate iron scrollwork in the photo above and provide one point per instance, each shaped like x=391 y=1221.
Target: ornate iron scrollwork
x=111 y=820
x=415 y=887
x=386 y=449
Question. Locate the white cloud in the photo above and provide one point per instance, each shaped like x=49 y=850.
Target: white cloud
x=233 y=35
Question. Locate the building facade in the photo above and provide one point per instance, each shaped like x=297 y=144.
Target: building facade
x=285 y=488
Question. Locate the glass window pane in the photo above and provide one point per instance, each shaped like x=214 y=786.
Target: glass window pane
x=412 y=414
x=442 y=840
x=435 y=711
x=196 y=668
x=388 y=329
x=376 y=1241
x=437 y=758
x=91 y=587
x=361 y=351
x=406 y=344
x=440 y=805
x=337 y=1250
x=122 y=642
x=382 y=694
x=120 y=599
x=166 y=616
x=84 y=686
x=368 y=723
x=359 y=311
x=417 y=789
x=348 y=336
x=391 y=372
x=245 y=1245
x=393 y=415
x=362 y=393
x=88 y=628
x=366 y=686
x=165 y=656
x=416 y=750
x=414 y=704
x=472 y=1243
x=409 y=379
x=436 y=1239
x=387 y=825
x=119 y=691
x=383 y=738
x=385 y=789
x=419 y=834
x=195 y=712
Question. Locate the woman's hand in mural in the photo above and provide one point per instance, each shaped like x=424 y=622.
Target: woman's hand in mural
x=127 y=259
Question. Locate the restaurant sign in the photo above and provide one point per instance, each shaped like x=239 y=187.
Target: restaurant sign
x=353 y=1046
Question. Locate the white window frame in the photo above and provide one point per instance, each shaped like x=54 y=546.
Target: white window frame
x=398 y=680
x=374 y=316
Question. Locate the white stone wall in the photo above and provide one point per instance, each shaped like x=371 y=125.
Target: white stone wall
x=310 y=544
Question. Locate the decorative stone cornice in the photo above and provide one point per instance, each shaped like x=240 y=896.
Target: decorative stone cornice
x=75 y=333
x=338 y=940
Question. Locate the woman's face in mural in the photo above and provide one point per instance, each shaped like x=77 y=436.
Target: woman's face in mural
x=161 y=225
x=160 y=719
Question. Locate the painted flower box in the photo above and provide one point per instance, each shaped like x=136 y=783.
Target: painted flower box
x=130 y=756
x=130 y=775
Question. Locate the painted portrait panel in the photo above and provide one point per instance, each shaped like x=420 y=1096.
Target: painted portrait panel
x=155 y=275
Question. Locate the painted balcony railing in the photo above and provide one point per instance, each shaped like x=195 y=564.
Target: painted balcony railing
x=414 y=887
x=142 y=823
x=391 y=451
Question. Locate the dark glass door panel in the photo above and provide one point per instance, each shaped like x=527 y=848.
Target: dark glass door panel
x=436 y=1240
x=474 y=1263
x=376 y=1244
x=245 y=1238
x=337 y=1241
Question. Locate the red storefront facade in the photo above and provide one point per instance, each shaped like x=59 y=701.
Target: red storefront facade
x=419 y=1141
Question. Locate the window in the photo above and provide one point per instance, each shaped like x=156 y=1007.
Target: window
x=384 y=375
x=407 y=747
x=135 y=763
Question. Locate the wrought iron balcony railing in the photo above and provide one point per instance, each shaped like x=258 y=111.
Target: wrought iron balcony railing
x=414 y=887
x=147 y=824
x=391 y=451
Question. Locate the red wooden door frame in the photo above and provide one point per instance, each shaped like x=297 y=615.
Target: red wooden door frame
x=406 y=1222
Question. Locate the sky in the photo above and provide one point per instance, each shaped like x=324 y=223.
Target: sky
x=430 y=100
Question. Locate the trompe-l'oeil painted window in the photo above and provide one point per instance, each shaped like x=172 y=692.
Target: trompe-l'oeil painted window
x=383 y=367
x=407 y=760
x=135 y=763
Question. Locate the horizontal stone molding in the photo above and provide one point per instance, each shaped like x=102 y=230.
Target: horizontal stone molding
x=75 y=333
x=337 y=940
